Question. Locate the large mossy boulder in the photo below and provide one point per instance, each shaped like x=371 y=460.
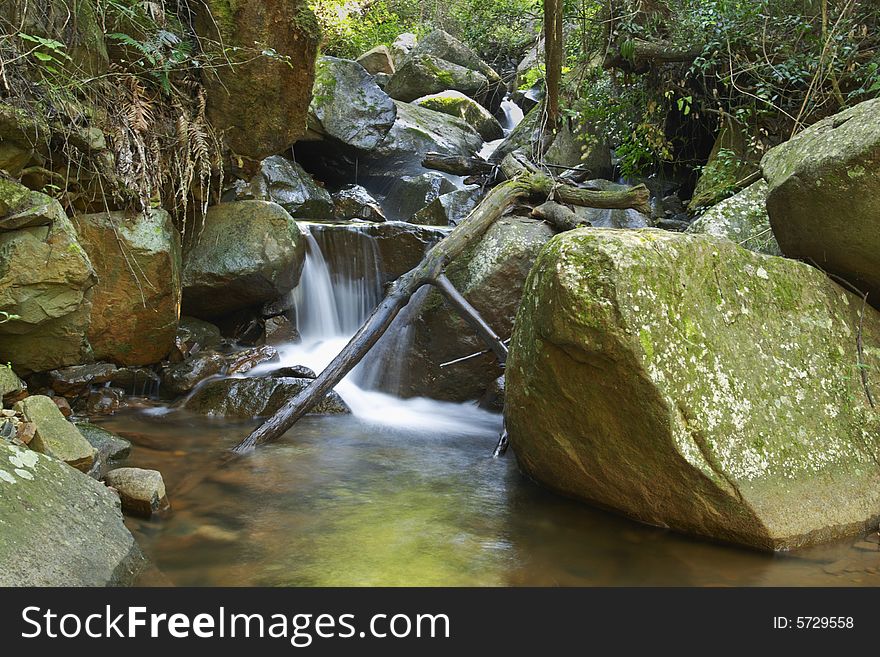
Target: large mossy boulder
x=349 y=106
x=136 y=303
x=248 y=398
x=422 y=74
x=824 y=195
x=741 y=218
x=249 y=253
x=286 y=183
x=490 y=275
x=689 y=383
x=60 y=527
x=260 y=100
x=455 y=103
x=46 y=282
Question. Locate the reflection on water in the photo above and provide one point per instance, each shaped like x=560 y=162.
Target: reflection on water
x=341 y=501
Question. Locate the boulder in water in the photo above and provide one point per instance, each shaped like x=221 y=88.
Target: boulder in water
x=194 y=334
x=348 y=104
x=286 y=183
x=55 y=436
x=743 y=219
x=180 y=378
x=60 y=527
x=355 y=202
x=249 y=398
x=75 y=380
x=689 y=383
x=824 y=195
x=423 y=74
x=455 y=103
x=249 y=253
x=136 y=302
x=377 y=60
x=109 y=447
x=142 y=492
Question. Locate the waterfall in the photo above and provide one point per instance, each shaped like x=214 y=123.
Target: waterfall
x=338 y=289
x=512 y=117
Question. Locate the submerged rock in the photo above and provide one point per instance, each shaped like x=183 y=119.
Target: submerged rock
x=142 y=492
x=743 y=219
x=249 y=253
x=824 y=195
x=455 y=103
x=689 y=383
x=348 y=104
x=377 y=60
x=55 y=436
x=248 y=398
x=137 y=299
x=60 y=527
x=286 y=183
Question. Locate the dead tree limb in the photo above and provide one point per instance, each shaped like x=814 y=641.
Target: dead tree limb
x=428 y=271
x=459 y=165
x=559 y=216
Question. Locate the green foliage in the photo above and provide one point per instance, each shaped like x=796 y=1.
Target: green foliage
x=351 y=28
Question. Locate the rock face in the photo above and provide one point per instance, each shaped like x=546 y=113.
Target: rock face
x=689 y=383
x=250 y=252
x=457 y=104
x=490 y=275
x=743 y=219
x=60 y=527
x=377 y=60
x=52 y=299
x=286 y=183
x=55 y=436
x=824 y=195
x=261 y=102
x=410 y=194
x=248 y=398
x=136 y=302
x=348 y=104
x=142 y=492
x=422 y=74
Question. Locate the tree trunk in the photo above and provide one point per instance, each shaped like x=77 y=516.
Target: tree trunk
x=553 y=45
x=528 y=182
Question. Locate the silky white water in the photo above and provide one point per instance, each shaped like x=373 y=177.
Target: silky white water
x=512 y=117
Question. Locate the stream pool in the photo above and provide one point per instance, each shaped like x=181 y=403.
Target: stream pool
x=341 y=501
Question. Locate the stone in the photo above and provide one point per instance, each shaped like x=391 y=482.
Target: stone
x=63 y=406
x=607 y=218
x=280 y=330
x=142 y=492
x=102 y=401
x=249 y=398
x=573 y=146
x=24 y=138
x=60 y=527
x=732 y=160
x=110 y=448
x=23 y=208
x=194 y=334
x=824 y=195
x=455 y=103
x=689 y=383
x=260 y=103
x=244 y=361
x=409 y=194
x=449 y=209
x=46 y=281
x=418 y=130
x=523 y=137
x=286 y=183
x=402 y=46
x=180 y=378
x=421 y=75
x=75 y=380
x=491 y=275
x=55 y=436
x=377 y=60
x=250 y=253
x=355 y=202
x=137 y=299
x=10 y=384
x=743 y=219
x=138 y=381
x=349 y=106
x=295 y=371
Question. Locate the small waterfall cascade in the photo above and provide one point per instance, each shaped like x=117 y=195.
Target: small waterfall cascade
x=511 y=117
x=338 y=289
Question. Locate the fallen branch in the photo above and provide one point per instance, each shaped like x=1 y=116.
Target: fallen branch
x=459 y=165
x=559 y=216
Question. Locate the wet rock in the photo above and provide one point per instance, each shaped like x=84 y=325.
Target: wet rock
x=402 y=46
x=355 y=202
x=248 y=398
x=450 y=208
x=493 y=397
x=55 y=436
x=180 y=378
x=137 y=381
x=109 y=447
x=743 y=219
x=690 y=383
x=377 y=60
x=491 y=275
x=824 y=194
x=295 y=371
x=250 y=253
x=76 y=380
x=421 y=74
x=280 y=330
x=60 y=527
x=410 y=194
x=136 y=302
x=455 y=103
x=260 y=104
x=528 y=99
x=47 y=284
x=102 y=401
x=247 y=360
x=349 y=106
x=286 y=183
x=142 y=492
x=194 y=335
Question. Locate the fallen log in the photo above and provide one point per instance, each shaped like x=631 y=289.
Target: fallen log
x=459 y=165
x=524 y=181
x=559 y=216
